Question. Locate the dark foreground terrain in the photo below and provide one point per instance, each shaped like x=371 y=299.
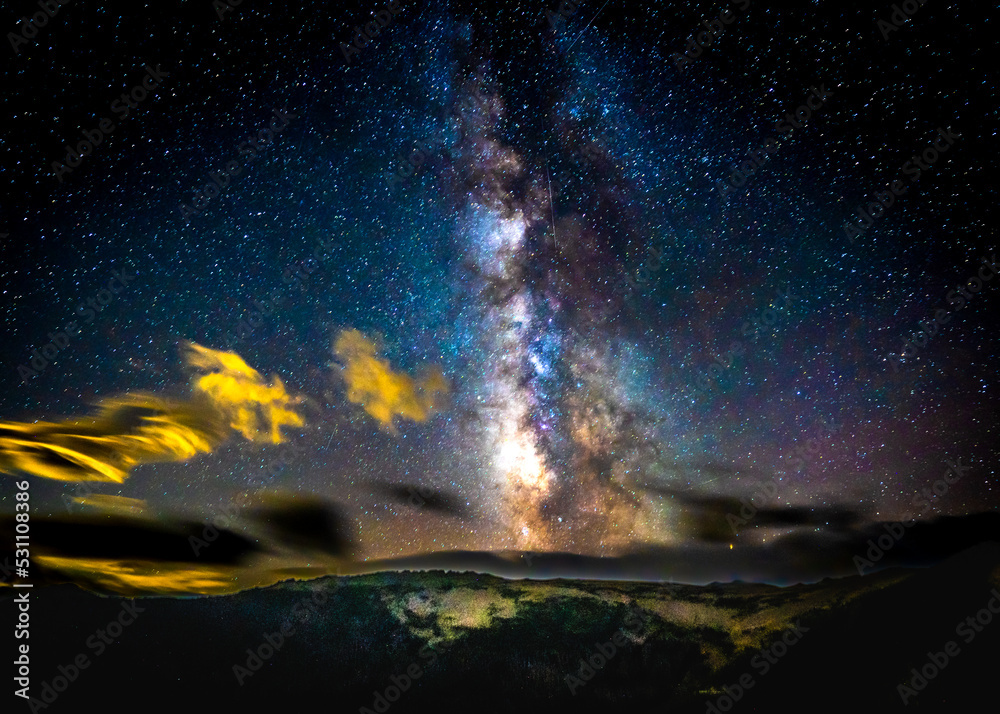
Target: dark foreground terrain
x=478 y=643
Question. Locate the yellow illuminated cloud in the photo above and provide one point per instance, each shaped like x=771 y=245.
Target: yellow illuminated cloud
x=382 y=392
x=109 y=503
x=143 y=428
x=254 y=408
x=140 y=577
x=131 y=577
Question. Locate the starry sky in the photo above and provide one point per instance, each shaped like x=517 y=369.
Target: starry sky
x=521 y=263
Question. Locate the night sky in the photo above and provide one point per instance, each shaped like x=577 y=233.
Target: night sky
x=493 y=255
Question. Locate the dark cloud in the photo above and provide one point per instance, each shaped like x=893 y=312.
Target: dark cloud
x=424 y=497
x=305 y=523
x=723 y=518
x=104 y=537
